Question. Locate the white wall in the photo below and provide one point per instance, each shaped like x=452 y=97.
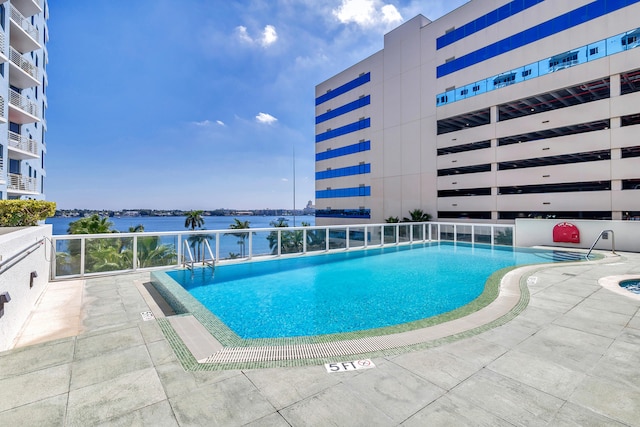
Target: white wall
x=533 y=232
x=16 y=279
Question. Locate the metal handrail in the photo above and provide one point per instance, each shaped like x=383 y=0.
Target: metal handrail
x=613 y=242
x=188 y=264
x=6 y=264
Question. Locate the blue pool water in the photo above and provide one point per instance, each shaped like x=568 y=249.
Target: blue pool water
x=350 y=291
x=632 y=285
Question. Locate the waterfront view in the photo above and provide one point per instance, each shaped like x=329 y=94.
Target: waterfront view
x=176 y=223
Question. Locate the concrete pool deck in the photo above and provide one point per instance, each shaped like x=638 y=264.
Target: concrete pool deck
x=570 y=357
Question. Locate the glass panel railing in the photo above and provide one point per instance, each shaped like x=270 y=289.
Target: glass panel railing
x=337 y=238
x=482 y=234
x=464 y=233
x=389 y=234
x=316 y=240
x=356 y=237
x=503 y=235
x=156 y=251
x=67 y=262
x=78 y=255
x=108 y=254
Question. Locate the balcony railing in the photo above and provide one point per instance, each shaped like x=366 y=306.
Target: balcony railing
x=24 y=23
x=3 y=44
x=21 y=62
x=21 y=142
x=22 y=183
x=23 y=103
x=2 y=114
x=80 y=255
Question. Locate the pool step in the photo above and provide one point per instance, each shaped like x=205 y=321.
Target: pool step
x=198 y=340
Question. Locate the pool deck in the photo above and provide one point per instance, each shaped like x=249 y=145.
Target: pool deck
x=571 y=357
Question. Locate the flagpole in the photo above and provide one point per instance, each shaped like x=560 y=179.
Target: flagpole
x=294 y=186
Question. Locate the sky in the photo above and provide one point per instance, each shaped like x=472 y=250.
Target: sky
x=198 y=104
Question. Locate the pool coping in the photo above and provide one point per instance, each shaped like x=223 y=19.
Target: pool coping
x=232 y=352
x=612 y=283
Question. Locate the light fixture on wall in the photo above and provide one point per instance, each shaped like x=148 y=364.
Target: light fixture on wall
x=32 y=276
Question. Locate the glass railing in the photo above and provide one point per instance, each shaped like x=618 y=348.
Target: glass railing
x=82 y=255
x=552 y=64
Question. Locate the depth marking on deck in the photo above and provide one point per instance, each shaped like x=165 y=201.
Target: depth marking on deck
x=147 y=315
x=349 y=366
x=532 y=280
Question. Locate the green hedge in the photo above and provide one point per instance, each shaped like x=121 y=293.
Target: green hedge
x=21 y=213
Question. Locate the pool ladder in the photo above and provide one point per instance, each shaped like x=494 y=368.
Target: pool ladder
x=189 y=262
x=605 y=235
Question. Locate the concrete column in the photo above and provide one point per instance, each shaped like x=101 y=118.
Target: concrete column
x=494 y=113
x=615 y=85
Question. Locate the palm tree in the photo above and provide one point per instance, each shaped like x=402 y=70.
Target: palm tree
x=240 y=225
x=273 y=236
x=137 y=229
x=194 y=220
x=93 y=224
x=417 y=215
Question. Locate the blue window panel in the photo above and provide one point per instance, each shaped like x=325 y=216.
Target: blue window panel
x=343 y=213
x=358 y=103
x=487 y=20
x=556 y=25
x=597 y=50
x=346 y=171
x=344 y=151
x=343 y=192
x=359 y=81
x=352 y=127
x=614 y=44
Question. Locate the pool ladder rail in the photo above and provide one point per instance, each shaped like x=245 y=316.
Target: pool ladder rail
x=605 y=235
x=188 y=261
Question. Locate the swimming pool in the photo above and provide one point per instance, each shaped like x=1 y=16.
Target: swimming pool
x=351 y=291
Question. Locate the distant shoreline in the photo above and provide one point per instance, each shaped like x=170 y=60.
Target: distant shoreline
x=135 y=213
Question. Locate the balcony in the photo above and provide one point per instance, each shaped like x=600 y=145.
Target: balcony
x=3 y=118
x=24 y=36
x=27 y=7
x=3 y=48
x=23 y=73
x=21 y=109
x=22 y=148
x=20 y=184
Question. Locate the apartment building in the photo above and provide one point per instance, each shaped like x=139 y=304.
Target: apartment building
x=499 y=110
x=23 y=101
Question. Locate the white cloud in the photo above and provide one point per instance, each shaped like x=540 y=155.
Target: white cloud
x=367 y=13
x=284 y=180
x=207 y=123
x=243 y=35
x=265 y=118
x=268 y=37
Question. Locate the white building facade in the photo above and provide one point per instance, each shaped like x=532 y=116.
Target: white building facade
x=499 y=110
x=23 y=101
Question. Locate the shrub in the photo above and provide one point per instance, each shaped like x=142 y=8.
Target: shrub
x=21 y=213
